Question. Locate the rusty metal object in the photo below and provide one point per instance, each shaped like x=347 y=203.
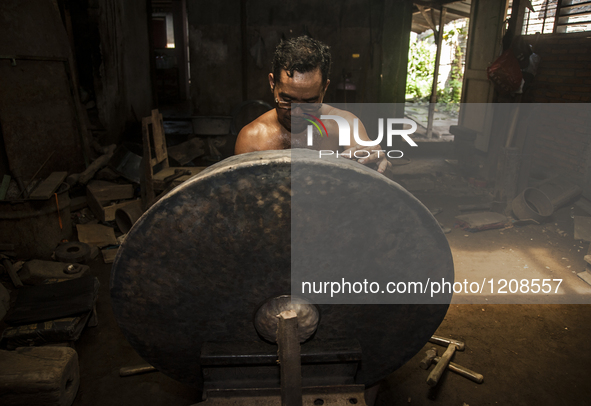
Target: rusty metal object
x=288 y=350
x=337 y=395
x=73 y=251
x=532 y=204
x=126 y=216
x=33 y=225
x=266 y=317
x=201 y=261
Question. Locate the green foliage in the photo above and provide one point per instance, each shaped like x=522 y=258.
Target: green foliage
x=452 y=91
x=421 y=62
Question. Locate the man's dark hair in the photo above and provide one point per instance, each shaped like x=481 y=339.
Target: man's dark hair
x=301 y=54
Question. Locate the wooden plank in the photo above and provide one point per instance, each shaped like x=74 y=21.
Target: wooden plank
x=148 y=193
x=101 y=212
x=187 y=151
x=159 y=138
x=39 y=376
x=104 y=191
x=583 y=228
x=95 y=206
x=164 y=173
x=4 y=186
x=47 y=188
x=109 y=255
x=12 y=273
x=96 y=234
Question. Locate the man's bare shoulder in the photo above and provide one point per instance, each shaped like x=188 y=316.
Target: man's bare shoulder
x=259 y=135
x=330 y=110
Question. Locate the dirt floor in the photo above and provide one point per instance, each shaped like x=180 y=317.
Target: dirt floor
x=529 y=354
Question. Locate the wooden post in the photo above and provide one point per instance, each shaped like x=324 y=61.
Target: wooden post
x=439 y=36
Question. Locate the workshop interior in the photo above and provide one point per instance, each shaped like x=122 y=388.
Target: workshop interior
x=152 y=247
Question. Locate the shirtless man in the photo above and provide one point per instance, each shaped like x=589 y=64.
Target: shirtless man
x=300 y=75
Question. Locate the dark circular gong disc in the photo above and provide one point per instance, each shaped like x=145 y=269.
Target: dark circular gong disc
x=198 y=263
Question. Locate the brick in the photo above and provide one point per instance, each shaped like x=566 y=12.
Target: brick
x=573 y=65
x=583 y=73
x=561 y=88
x=565 y=72
x=568 y=57
x=582 y=89
x=538 y=99
x=560 y=51
x=585 y=57
x=548 y=57
x=555 y=79
x=575 y=97
x=556 y=100
x=573 y=80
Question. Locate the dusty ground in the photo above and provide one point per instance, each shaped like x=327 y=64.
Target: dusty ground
x=529 y=354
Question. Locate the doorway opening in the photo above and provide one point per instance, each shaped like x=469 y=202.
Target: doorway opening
x=435 y=107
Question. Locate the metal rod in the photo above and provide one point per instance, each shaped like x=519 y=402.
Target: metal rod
x=289 y=359
x=33 y=177
x=136 y=370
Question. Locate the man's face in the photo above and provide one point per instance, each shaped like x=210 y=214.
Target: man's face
x=300 y=88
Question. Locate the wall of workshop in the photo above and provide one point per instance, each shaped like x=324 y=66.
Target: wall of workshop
x=348 y=27
x=121 y=70
x=564 y=76
x=39 y=110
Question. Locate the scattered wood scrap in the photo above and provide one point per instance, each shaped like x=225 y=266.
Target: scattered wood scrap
x=187 y=151
x=100 y=195
x=109 y=255
x=583 y=228
x=482 y=221
x=48 y=187
x=96 y=234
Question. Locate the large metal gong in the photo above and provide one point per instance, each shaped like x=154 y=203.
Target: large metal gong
x=199 y=263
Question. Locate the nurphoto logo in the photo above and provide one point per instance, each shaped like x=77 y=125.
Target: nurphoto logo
x=393 y=128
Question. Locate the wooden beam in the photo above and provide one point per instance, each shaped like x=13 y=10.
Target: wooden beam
x=435 y=74
x=428 y=18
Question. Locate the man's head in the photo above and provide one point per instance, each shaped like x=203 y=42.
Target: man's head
x=301 y=54
x=300 y=75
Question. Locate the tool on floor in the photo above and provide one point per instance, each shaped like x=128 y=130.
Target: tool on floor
x=439 y=340
x=137 y=370
x=434 y=376
x=432 y=358
x=430 y=355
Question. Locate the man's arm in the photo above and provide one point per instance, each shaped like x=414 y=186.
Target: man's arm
x=254 y=137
